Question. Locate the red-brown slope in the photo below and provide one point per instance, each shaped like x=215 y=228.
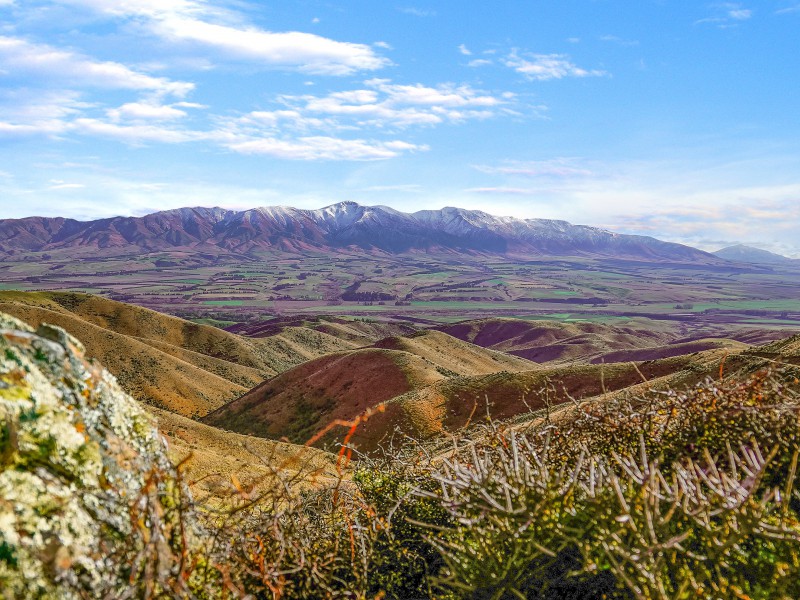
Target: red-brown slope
x=302 y=401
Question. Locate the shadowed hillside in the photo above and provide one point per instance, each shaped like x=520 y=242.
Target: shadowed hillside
x=584 y=342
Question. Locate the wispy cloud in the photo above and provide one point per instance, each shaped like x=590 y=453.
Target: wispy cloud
x=19 y=57
x=788 y=10
x=201 y=23
x=417 y=12
x=613 y=39
x=410 y=188
x=562 y=168
x=56 y=184
x=324 y=148
x=544 y=67
x=727 y=14
x=502 y=191
x=150 y=111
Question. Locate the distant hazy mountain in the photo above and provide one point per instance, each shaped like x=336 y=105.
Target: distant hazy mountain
x=748 y=254
x=346 y=225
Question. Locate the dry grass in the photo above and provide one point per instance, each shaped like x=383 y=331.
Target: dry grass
x=164 y=361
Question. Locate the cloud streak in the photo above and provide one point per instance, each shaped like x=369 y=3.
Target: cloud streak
x=20 y=57
x=545 y=67
x=195 y=22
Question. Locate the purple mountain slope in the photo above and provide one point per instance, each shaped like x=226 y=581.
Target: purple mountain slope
x=344 y=226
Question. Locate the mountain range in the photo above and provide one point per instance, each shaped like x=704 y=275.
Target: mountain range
x=748 y=254
x=340 y=227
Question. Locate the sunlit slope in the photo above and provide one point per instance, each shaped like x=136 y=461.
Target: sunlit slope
x=359 y=332
x=168 y=362
x=455 y=356
x=211 y=457
x=306 y=399
x=712 y=364
x=451 y=404
x=302 y=401
x=421 y=386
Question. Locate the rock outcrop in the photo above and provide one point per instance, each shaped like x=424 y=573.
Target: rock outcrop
x=86 y=487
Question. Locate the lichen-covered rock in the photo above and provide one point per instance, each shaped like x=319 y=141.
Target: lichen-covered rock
x=84 y=474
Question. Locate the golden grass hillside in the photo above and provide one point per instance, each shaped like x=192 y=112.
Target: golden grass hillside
x=361 y=332
x=216 y=461
x=164 y=361
x=455 y=356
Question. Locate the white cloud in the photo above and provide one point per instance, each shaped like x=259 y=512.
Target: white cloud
x=306 y=52
x=57 y=184
x=135 y=134
x=740 y=14
x=727 y=14
x=323 y=148
x=788 y=10
x=480 y=62
x=410 y=188
x=23 y=58
x=198 y=22
x=34 y=113
x=145 y=111
x=464 y=50
x=385 y=104
x=502 y=190
x=543 y=67
x=686 y=201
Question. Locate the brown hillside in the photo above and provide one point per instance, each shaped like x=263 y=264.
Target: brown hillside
x=710 y=364
x=145 y=372
x=549 y=341
x=361 y=333
x=677 y=349
x=454 y=355
x=455 y=402
x=302 y=401
x=164 y=361
x=212 y=456
x=419 y=401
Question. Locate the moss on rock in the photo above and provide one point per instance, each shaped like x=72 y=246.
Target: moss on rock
x=78 y=463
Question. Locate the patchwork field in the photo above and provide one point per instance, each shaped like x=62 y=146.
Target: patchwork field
x=418 y=287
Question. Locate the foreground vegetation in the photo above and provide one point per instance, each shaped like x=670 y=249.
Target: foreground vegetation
x=668 y=494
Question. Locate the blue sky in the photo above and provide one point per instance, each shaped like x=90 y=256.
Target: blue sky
x=669 y=118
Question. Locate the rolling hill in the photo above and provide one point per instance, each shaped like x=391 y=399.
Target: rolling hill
x=748 y=254
x=429 y=383
x=170 y=363
x=552 y=342
x=304 y=400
